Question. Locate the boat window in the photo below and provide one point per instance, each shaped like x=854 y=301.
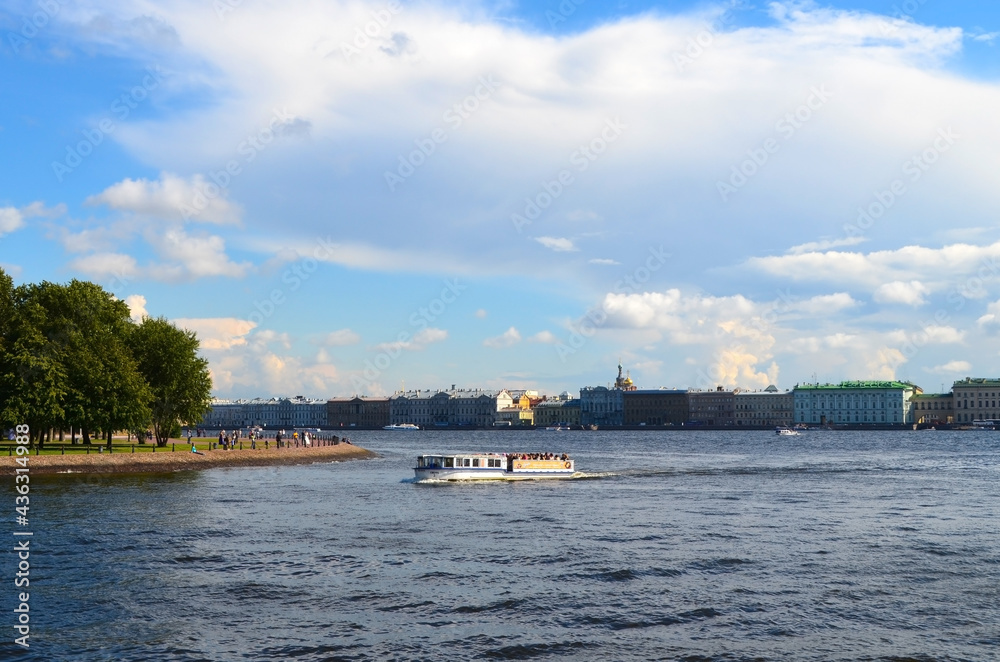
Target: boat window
x=475 y=462
x=466 y=462
x=449 y=463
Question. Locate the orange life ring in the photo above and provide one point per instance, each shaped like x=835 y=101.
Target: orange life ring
x=568 y=465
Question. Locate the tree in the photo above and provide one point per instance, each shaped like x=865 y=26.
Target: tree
x=86 y=333
x=180 y=381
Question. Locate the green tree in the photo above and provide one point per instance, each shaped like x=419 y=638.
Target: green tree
x=87 y=332
x=179 y=378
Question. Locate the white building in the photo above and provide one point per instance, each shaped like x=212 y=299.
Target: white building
x=976 y=399
x=297 y=412
x=855 y=403
x=451 y=407
x=766 y=408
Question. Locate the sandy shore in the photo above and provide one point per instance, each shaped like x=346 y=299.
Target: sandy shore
x=182 y=460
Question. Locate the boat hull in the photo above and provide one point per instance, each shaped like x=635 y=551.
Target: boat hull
x=464 y=473
x=490 y=467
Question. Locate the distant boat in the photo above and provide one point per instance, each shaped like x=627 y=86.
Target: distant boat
x=402 y=426
x=786 y=432
x=557 y=428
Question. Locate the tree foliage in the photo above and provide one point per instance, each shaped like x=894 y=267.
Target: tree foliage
x=179 y=378
x=71 y=358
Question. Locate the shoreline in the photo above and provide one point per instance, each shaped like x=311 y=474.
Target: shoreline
x=118 y=463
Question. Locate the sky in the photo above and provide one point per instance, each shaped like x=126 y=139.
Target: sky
x=348 y=198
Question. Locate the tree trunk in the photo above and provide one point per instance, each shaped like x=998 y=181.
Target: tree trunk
x=110 y=435
x=86 y=436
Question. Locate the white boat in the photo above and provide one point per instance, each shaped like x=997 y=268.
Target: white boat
x=557 y=428
x=402 y=426
x=786 y=432
x=493 y=466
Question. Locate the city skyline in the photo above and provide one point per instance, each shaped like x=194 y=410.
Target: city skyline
x=357 y=198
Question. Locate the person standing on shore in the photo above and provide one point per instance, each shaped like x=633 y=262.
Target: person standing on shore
x=222 y=436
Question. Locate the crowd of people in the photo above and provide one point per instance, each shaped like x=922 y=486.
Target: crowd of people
x=231 y=440
x=538 y=456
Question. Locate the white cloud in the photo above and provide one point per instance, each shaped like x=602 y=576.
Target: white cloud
x=545 y=337
x=10 y=220
x=137 y=307
x=509 y=337
x=102 y=265
x=825 y=244
x=218 y=333
x=170 y=198
x=192 y=257
x=481 y=314
x=558 y=244
x=420 y=340
x=951 y=368
x=603 y=261
x=912 y=293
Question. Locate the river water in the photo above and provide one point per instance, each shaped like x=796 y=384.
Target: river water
x=698 y=546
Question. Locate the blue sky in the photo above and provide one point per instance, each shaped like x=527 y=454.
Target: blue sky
x=503 y=194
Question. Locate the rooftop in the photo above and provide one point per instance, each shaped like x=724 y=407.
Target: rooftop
x=857 y=384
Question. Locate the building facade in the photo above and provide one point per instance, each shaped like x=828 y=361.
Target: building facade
x=297 y=412
x=600 y=405
x=855 y=403
x=358 y=412
x=767 y=408
x=716 y=408
x=454 y=407
x=932 y=408
x=655 y=407
x=976 y=399
x=557 y=412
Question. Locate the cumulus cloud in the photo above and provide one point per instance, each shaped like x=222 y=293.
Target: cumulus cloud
x=509 y=337
x=137 y=307
x=558 y=244
x=170 y=198
x=103 y=265
x=189 y=257
x=218 y=333
x=951 y=368
x=545 y=337
x=12 y=218
x=912 y=293
x=420 y=340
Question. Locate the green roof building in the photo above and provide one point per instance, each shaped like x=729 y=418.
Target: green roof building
x=855 y=403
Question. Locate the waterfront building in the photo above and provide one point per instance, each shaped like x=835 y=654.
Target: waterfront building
x=716 y=408
x=297 y=412
x=855 y=403
x=767 y=408
x=932 y=408
x=450 y=407
x=557 y=412
x=358 y=411
x=515 y=416
x=655 y=407
x=976 y=399
x=600 y=405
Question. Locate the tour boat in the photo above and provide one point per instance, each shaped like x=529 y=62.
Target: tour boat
x=402 y=426
x=492 y=466
x=786 y=432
